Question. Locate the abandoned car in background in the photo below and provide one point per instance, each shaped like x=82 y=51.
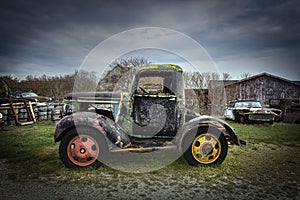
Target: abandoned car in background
x=151 y=117
x=30 y=96
x=247 y=111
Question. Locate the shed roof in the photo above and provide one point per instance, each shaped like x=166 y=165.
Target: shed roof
x=264 y=74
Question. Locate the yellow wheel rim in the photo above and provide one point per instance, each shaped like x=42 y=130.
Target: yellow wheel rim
x=206 y=148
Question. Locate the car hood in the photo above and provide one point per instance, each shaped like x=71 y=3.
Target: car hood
x=40 y=98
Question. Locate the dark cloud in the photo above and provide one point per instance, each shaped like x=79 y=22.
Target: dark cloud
x=57 y=35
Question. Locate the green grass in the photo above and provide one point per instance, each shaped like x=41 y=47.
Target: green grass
x=278 y=133
x=267 y=167
x=31 y=148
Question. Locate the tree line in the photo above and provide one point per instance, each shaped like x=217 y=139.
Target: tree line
x=51 y=86
x=118 y=77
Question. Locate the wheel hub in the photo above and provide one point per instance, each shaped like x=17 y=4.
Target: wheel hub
x=206 y=148
x=83 y=150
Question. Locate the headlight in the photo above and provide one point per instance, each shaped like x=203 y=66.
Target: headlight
x=1 y=116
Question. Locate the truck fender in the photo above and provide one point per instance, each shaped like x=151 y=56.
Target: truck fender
x=205 y=120
x=111 y=130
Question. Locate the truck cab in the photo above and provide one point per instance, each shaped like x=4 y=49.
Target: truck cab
x=157 y=101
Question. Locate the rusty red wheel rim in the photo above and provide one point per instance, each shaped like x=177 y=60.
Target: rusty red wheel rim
x=83 y=150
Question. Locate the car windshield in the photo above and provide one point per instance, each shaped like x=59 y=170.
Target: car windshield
x=247 y=104
x=28 y=94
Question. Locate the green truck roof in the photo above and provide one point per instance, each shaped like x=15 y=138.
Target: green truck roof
x=162 y=67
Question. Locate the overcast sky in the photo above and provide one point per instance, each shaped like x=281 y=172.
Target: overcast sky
x=54 y=37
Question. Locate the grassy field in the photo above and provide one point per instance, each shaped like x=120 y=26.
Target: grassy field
x=267 y=168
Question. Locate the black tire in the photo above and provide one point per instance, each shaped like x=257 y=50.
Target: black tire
x=237 y=117
x=91 y=139
x=278 y=119
x=212 y=151
x=243 y=119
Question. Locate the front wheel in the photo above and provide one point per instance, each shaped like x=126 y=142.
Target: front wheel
x=208 y=147
x=82 y=147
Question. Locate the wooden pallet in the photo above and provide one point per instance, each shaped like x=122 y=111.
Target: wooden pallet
x=29 y=110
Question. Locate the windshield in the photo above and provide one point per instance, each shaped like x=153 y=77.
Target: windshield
x=28 y=94
x=152 y=85
x=154 y=82
x=248 y=104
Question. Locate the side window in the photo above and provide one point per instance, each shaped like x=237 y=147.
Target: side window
x=231 y=105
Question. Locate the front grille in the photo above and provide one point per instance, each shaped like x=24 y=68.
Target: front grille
x=263 y=117
x=154 y=116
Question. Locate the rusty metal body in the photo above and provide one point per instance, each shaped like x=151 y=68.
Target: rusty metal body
x=151 y=117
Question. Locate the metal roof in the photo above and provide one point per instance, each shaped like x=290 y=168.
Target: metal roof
x=162 y=67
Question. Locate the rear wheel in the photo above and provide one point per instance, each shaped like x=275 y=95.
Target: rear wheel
x=208 y=147
x=83 y=147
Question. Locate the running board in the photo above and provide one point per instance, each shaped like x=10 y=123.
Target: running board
x=144 y=149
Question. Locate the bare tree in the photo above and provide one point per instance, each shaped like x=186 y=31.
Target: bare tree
x=201 y=83
x=85 y=81
x=193 y=80
x=245 y=75
x=8 y=84
x=206 y=79
x=61 y=85
x=226 y=76
x=212 y=82
x=215 y=76
x=120 y=74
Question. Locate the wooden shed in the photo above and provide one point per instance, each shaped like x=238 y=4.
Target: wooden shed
x=262 y=87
